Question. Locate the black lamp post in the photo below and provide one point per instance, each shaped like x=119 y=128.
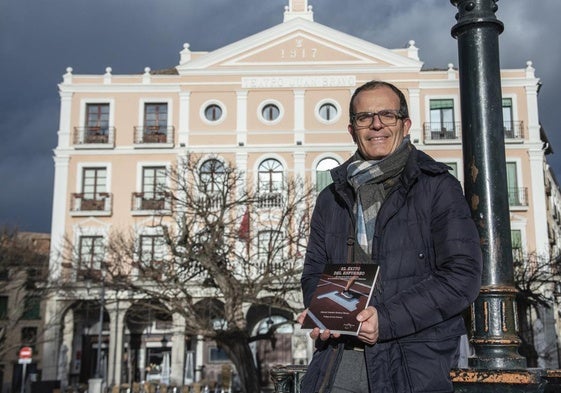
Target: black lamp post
x=494 y=319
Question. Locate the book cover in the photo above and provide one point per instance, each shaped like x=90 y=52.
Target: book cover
x=342 y=292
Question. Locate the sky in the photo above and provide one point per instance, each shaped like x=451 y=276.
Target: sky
x=40 y=39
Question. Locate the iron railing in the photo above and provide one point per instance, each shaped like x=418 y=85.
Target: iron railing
x=159 y=201
x=91 y=202
x=153 y=135
x=94 y=136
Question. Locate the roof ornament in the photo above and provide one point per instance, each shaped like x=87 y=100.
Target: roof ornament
x=530 y=70
x=298 y=9
x=67 y=78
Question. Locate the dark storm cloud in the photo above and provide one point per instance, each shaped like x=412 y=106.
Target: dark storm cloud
x=39 y=39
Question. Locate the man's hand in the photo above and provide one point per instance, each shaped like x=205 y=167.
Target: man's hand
x=369 y=329
x=315 y=333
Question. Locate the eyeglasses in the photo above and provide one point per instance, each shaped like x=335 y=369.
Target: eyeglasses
x=366 y=119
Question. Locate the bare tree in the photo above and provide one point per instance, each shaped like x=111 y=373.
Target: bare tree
x=23 y=272
x=216 y=247
x=535 y=279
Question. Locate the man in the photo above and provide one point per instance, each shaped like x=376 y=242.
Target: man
x=393 y=205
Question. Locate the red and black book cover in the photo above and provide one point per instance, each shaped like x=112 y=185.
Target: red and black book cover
x=343 y=291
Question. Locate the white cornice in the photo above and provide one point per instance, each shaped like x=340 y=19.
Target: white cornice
x=119 y=88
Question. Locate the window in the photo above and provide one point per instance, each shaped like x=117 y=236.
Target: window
x=507 y=118
x=151 y=249
x=270 y=179
x=153 y=188
x=442 y=119
x=213 y=112
x=217 y=355
x=212 y=176
x=454 y=170
x=270 y=176
x=91 y=252
x=155 y=122
x=3 y=307
x=29 y=335
x=328 y=112
x=97 y=123
x=32 y=308
x=94 y=188
x=153 y=181
x=514 y=197
x=269 y=251
x=516 y=239
x=270 y=112
x=323 y=176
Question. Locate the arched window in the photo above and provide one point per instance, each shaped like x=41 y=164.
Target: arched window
x=270 y=179
x=211 y=176
x=270 y=176
x=323 y=176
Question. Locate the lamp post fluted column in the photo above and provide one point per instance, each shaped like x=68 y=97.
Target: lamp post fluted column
x=494 y=320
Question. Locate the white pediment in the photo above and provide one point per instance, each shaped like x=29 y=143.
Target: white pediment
x=300 y=42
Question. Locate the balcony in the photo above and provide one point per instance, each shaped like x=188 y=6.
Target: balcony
x=275 y=267
x=518 y=197
x=148 y=203
x=449 y=132
x=269 y=199
x=91 y=204
x=514 y=131
x=211 y=201
x=153 y=136
x=94 y=137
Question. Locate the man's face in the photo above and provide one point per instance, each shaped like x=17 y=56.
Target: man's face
x=378 y=140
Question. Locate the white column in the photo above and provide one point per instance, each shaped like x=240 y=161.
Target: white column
x=51 y=337
x=533 y=117
x=116 y=312
x=177 y=350
x=59 y=214
x=416 y=130
x=199 y=362
x=65 y=128
x=300 y=164
x=241 y=118
x=299 y=117
x=538 y=201
x=184 y=114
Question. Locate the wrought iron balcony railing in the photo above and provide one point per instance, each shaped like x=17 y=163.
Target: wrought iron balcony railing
x=153 y=135
x=100 y=202
x=514 y=130
x=450 y=132
x=94 y=136
x=447 y=132
x=518 y=196
x=144 y=201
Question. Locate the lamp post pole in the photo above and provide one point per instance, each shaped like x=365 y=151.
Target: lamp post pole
x=494 y=319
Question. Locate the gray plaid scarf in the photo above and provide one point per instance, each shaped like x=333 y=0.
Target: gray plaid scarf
x=371 y=181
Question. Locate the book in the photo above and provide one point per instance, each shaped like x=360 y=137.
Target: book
x=343 y=291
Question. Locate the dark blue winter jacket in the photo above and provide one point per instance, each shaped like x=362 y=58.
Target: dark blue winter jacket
x=428 y=249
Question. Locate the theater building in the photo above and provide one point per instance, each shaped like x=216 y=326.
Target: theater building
x=275 y=101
